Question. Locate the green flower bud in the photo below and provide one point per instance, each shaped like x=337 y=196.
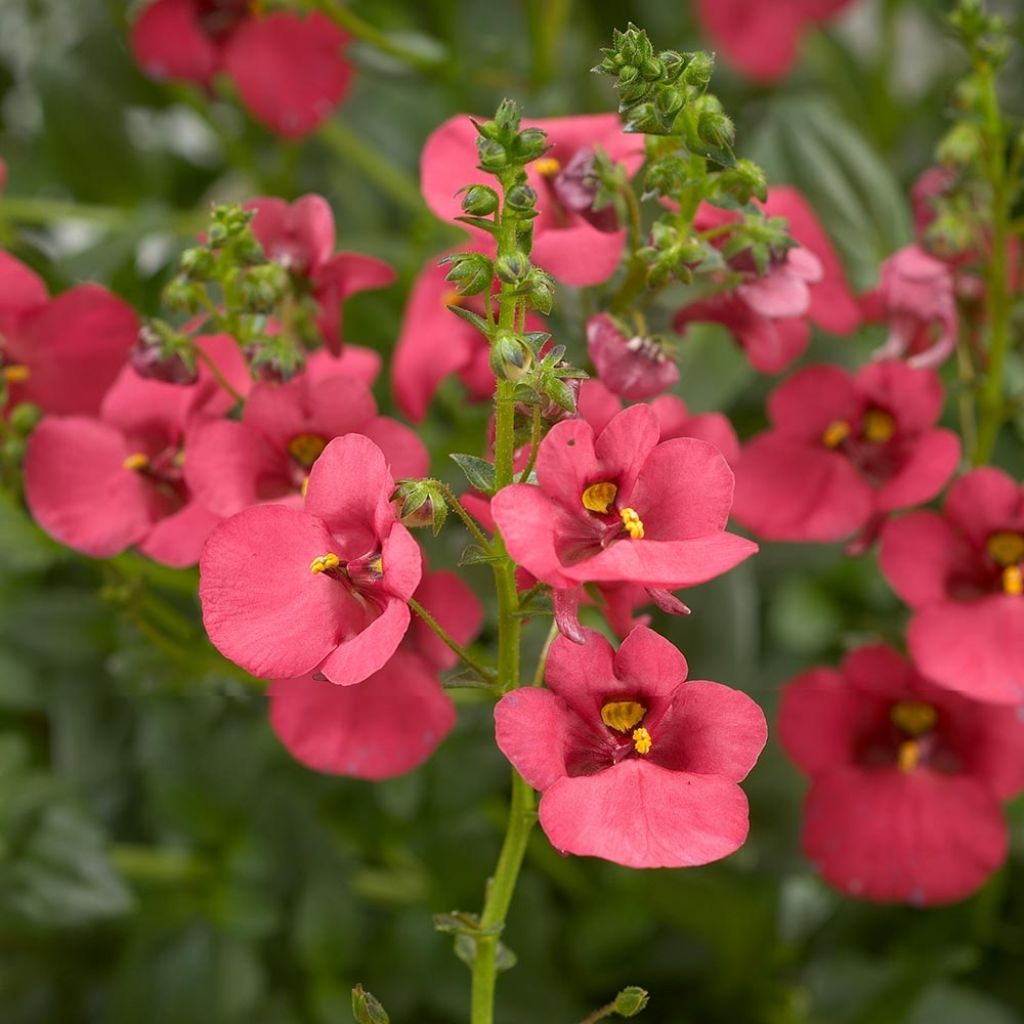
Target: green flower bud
x=540 y=291
x=493 y=155
x=507 y=117
x=24 y=417
x=470 y=272
x=479 y=201
x=366 y=1009
x=197 y=263
x=630 y=1001
x=510 y=357
x=699 y=70
x=521 y=200
x=652 y=69
x=530 y=144
x=513 y=268
x=715 y=128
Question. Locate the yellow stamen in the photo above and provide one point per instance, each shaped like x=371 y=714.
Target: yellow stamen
x=1006 y=548
x=304 y=486
x=633 y=523
x=878 y=426
x=908 y=756
x=547 y=166
x=452 y=298
x=836 y=433
x=1013 y=581
x=622 y=715
x=914 y=717
x=16 y=373
x=599 y=497
x=136 y=462
x=305 y=449
x=641 y=740
x=324 y=563
x=179 y=458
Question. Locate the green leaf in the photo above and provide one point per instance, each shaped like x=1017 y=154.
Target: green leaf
x=472 y=318
x=479 y=472
x=366 y=1008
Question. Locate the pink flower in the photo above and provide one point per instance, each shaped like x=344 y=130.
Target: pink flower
x=843 y=449
x=760 y=37
x=63 y=353
x=392 y=721
x=103 y=485
x=300 y=236
x=598 y=406
x=285 y=591
x=635 y=368
x=768 y=314
x=635 y=765
x=434 y=343
x=572 y=241
x=915 y=296
x=622 y=507
x=963 y=574
x=906 y=779
x=268 y=454
x=288 y=70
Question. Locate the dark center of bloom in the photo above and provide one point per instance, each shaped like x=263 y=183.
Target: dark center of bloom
x=305 y=449
x=163 y=471
x=218 y=17
x=624 y=716
x=877 y=427
x=1006 y=549
x=599 y=498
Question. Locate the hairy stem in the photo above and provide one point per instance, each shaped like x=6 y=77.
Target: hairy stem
x=449 y=641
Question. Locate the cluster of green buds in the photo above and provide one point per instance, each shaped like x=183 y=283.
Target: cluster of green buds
x=504 y=148
x=227 y=284
x=979 y=153
x=664 y=95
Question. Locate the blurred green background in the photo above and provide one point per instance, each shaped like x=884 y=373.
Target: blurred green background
x=161 y=857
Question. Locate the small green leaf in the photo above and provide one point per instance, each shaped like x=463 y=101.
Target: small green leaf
x=366 y=1008
x=472 y=318
x=479 y=472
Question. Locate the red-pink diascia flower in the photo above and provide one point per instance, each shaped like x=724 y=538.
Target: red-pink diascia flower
x=268 y=454
x=300 y=236
x=392 y=721
x=288 y=69
x=632 y=367
x=572 y=241
x=286 y=590
x=768 y=314
x=63 y=353
x=906 y=779
x=844 y=449
x=102 y=485
x=635 y=765
x=760 y=37
x=963 y=574
x=622 y=507
x=915 y=297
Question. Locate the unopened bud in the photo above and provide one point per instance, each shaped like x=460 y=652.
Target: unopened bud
x=521 y=200
x=366 y=1008
x=470 y=272
x=630 y=1001
x=513 y=268
x=24 y=417
x=479 y=201
x=510 y=357
x=530 y=144
x=492 y=155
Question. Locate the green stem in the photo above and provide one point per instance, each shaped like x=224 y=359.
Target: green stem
x=38 y=211
x=150 y=865
x=500 y=889
x=467 y=520
x=449 y=641
x=219 y=377
x=636 y=220
x=343 y=15
x=992 y=405
x=602 y=1014
x=536 y=426
x=391 y=180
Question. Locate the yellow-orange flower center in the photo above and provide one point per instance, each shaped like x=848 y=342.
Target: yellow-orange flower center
x=136 y=462
x=547 y=166
x=908 y=756
x=835 y=433
x=642 y=740
x=878 y=426
x=1006 y=548
x=16 y=373
x=599 y=497
x=324 y=563
x=1013 y=581
x=622 y=715
x=913 y=717
x=305 y=449
x=633 y=523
